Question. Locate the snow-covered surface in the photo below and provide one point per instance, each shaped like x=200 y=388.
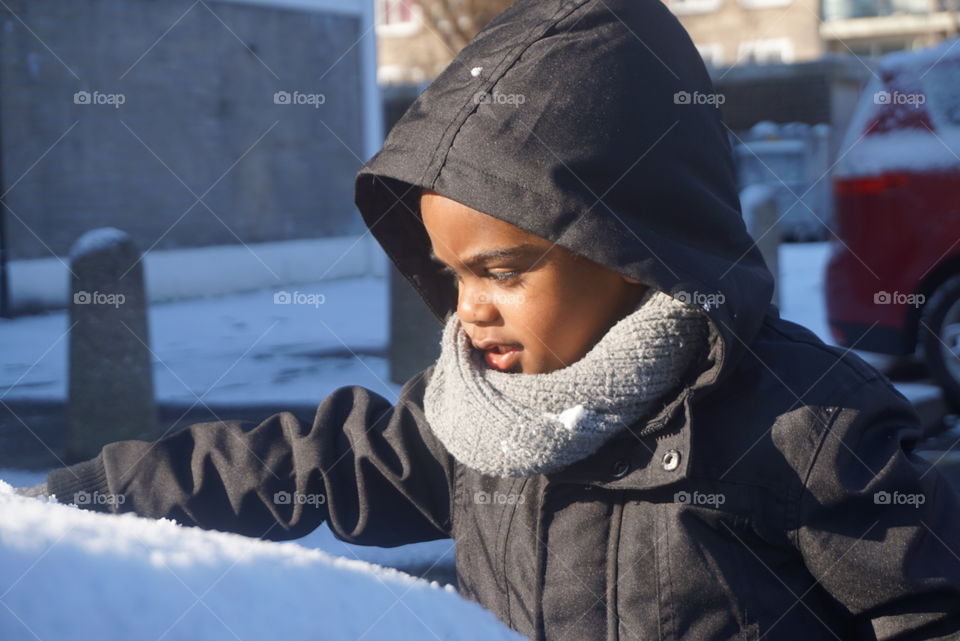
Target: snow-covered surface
x=97 y=239
x=925 y=81
x=755 y=195
x=903 y=150
x=416 y=556
x=67 y=573
x=801 y=286
x=243 y=348
x=172 y=274
x=921 y=59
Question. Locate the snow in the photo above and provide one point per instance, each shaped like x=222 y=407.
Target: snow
x=171 y=274
x=902 y=150
x=801 y=286
x=439 y=554
x=755 y=194
x=68 y=573
x=569 y=417
x=97 y=239
x=921 y=59
x=926 y=79
x=752 y=197
x=240 y=349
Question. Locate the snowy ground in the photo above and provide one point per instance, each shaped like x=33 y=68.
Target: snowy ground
x=69 y=574
x=416 y=556
x=243 y=348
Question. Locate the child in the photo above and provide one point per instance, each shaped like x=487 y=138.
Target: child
x=624 y=438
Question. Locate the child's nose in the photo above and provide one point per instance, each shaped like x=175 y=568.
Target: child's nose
x=476 y=305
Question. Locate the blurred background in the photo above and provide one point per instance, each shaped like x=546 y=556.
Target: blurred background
x=178 y=240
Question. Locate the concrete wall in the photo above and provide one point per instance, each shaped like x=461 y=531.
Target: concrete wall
x=198 y=153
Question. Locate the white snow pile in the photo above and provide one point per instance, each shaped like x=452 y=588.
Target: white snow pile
x=67 y=573
x=97 y=239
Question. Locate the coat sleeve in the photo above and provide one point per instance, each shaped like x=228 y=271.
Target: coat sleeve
x=373 y=471
x=879 y=526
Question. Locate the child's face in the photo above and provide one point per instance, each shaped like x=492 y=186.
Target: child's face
x=551 y=304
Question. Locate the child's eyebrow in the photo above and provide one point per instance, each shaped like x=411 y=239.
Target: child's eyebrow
x=514 y=251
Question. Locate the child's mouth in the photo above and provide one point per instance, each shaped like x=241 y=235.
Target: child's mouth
x=502 y=357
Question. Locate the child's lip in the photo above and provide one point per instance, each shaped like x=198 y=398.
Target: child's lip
x=504 y=360
x=485 y=345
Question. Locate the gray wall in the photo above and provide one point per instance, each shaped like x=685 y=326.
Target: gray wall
x=199 y=93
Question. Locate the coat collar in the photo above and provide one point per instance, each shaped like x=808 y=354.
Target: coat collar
x=637 y=461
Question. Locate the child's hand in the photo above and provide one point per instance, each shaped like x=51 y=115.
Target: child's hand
x=34 y=491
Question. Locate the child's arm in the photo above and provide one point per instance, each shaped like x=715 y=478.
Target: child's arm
x=373 y=471
x=879 y=529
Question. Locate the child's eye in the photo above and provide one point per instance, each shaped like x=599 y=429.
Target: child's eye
x=503 y=276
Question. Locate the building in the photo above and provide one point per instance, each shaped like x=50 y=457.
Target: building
x=410 y=51
x=741 y=32
x=728 y=33
x=876 y=27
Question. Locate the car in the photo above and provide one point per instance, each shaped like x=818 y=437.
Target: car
x=893 y=273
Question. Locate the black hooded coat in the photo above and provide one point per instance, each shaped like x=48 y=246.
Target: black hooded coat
x=776 y=496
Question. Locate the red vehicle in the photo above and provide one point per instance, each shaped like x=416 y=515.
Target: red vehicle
x=893 y=277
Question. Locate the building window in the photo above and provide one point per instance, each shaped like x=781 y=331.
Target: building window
x=770 y=50
x=397 y=17
x=687 y=7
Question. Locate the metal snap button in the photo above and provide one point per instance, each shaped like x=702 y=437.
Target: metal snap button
x=671 y=460
x=621 y=468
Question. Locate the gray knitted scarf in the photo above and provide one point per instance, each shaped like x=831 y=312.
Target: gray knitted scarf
x=514 y=424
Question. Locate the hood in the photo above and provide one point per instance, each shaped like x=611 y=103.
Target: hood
x=593 y=124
